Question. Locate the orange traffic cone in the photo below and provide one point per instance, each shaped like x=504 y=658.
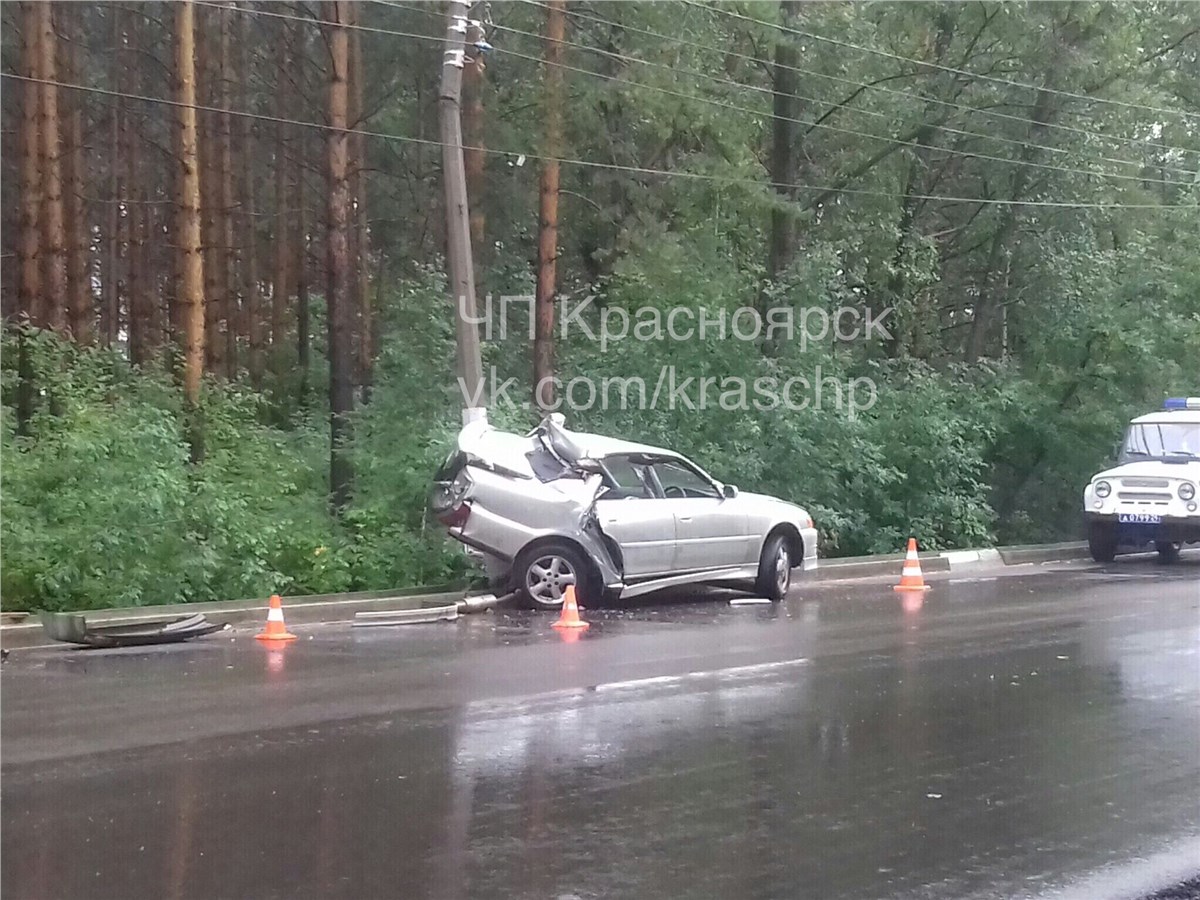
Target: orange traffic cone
x=275 y=630
x=911 y=578
x=570 y=612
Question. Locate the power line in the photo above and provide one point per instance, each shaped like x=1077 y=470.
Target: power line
x=744 y=109
x=617 y=167
x=866 y=112
x=917 y=62
x=873 y=87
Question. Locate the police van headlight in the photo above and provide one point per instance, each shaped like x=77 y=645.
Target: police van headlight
x=1187 y=491
x=1103 y=489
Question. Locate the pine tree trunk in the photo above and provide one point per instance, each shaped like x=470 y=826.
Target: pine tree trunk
x=299 y=259
x=54 y=241
x=211 y=235
x=110 y=283
x=361 y=255
x=543 y=342
x=339 y=300
x=29 y=285
x=190 y=290
x=136 y=289
x=279 y=283
x=79 y=302
x=79 y=291
x=230 y=255
x=252 y=309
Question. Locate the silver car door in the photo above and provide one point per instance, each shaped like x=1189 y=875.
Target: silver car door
x=710 y=531
x=640 y=522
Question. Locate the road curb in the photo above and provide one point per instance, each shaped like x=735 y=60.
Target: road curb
x=299 y=611
x=868 y=566
x=1039 y=553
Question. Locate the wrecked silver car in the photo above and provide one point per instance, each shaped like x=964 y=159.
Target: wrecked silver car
x=555 y=508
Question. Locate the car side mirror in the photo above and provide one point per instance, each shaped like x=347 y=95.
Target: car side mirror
x=729 y=491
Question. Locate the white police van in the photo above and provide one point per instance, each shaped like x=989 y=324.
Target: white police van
x=1150 y=497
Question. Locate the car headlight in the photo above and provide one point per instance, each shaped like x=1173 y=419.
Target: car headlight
x=1103 y=489
x=1187 y=491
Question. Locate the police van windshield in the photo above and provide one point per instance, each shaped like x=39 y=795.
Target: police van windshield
x=1170 y=441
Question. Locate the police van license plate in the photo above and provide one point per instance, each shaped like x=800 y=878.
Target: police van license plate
x=1139 y=518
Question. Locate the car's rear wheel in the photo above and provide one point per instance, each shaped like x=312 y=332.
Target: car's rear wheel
x=1168 y=551
x=1102 y=542
x=544 y=573
x=774 y=569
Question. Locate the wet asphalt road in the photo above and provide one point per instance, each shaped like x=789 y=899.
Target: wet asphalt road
x=1024 y=733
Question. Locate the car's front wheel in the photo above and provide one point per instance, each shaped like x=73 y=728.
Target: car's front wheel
x=1102 y=542
x=774 y=569
x=544 y=573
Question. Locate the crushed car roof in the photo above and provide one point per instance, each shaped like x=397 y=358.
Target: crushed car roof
x=596 y=446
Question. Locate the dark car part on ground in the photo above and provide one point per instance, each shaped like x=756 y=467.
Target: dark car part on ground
x=73 y=629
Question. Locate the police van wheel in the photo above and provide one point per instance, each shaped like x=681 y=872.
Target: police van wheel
x=1168 y=551
x=1102 y=542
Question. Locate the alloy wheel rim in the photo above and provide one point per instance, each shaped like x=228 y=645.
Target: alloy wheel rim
x=783 y=570
x=548 y=578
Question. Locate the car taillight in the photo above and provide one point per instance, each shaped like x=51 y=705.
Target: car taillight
x=456 y=517
x=808 y=523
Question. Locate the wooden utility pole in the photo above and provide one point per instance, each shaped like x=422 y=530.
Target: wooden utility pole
x=784 y=146
x=547 y=274
x=191 y=266
x=458 y=217
x=473 y=154
x=338 y=296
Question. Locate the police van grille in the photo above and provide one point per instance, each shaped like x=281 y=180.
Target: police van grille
x=1145 y=483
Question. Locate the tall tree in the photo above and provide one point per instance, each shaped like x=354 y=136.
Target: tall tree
x=251 y=284
x=110 y=279
x=79 y=300
x=211 y=229
x=138 y=289
x=360 y=233
x=190 y=290
x=230 y=253
x=547 y=271
x=284 y=91
x=54 y=239
x=339 y=301
x=29 y=285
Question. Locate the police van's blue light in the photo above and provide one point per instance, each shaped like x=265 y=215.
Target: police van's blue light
x=1181 y=403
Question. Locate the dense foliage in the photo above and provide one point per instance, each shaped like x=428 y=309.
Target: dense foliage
x=983 y=430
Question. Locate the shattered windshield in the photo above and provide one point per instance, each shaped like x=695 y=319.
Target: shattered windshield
x=1161 y=440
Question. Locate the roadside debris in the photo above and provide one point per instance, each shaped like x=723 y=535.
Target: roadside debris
x=428 y=614
x=72 y=628
x=406 y=616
